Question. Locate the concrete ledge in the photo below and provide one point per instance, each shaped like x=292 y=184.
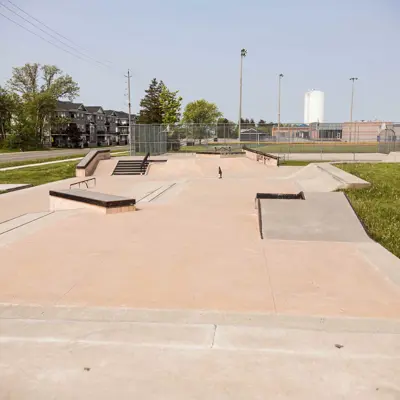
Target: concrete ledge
x=88 y=164
x=76 y=198
x=281 y=196
x=348 y=181
x=259 y=156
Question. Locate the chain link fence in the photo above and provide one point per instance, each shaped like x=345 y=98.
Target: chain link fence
x=282 y=140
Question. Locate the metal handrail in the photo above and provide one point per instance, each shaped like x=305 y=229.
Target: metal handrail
x=85 y=182
x=144 y=163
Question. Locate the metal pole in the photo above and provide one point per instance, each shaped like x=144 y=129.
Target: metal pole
x=279 y=102
x=351 y=105
x=243 y=54
x=129 y=118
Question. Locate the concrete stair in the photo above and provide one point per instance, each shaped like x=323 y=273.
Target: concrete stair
x=130 y=167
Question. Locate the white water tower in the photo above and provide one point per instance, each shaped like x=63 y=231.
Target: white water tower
x=314 y=106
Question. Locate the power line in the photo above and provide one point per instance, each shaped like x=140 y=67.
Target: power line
x=49 y=34
x=48 y=27
x=41 y=37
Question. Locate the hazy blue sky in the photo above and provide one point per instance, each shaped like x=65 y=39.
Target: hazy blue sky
x=194 y=46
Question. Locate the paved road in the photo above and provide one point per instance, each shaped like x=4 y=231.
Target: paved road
x=35 y=155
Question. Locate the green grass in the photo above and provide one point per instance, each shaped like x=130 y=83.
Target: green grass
x=39 y=175
x=294 y=163
x=378 y=206
x=60 y=158
x=318 y=148
x=38 y=161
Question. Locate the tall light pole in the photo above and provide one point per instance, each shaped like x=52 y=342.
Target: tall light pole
x=351 y=105
x=132 y=144
x=243 y=54
x=279 y=102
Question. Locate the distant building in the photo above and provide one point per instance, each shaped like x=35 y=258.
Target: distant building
x=364 y=131
x=253 y=135
x=291 y=131
x=69 y=113
x=98 y=127
x=326 y=131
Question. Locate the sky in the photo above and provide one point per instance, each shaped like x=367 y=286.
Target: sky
x=194 y=47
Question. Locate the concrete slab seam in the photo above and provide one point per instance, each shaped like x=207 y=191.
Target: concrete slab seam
x=26 y=223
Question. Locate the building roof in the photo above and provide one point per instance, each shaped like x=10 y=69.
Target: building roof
x=251 y=131
x=110 y=112
x=95 y=109
x=121 y=114
x=70 y=106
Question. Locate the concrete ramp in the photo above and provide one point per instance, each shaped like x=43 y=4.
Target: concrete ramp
x=106 y=167
x=312 y=179
x=320 y=217
x=325 y=177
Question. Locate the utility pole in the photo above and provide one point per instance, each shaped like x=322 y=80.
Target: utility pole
x=243 y=54
x=131 y=139
x=279 y=102
x=351 y=105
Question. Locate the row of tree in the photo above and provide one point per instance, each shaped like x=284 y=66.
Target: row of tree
x=28 y=104
x=160 y=105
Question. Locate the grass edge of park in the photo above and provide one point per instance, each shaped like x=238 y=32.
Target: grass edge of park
x=378 y=207
x=8 y=164
x=39 y=175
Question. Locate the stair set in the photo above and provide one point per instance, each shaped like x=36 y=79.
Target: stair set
x=130 y=167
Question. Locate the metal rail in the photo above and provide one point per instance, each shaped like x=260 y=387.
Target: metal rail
x=142 y=166
x=85 y=182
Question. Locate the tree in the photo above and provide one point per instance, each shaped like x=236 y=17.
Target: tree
x=151 y=111
x=8 y=105
x=261 y=122
x=201 y=112
x=27 y=80
x=170 y=105
x=73 y=134
x=39 y=87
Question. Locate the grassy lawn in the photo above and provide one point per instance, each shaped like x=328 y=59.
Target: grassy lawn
x=114 y=153
x=38 y=161
x=378 y=206
x=293 y=147
x=294 y=163
x=318 y=148
x=39 y=175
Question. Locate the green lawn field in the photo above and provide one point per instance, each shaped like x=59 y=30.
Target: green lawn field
x=378 y=206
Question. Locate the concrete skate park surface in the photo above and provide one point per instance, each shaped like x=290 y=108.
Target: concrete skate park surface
x=182 y=299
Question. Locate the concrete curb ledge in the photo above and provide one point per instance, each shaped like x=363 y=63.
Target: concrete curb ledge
x=74 y=198
x=260 y=156
x=197 y=317
x=88 y=164
x=347 y=180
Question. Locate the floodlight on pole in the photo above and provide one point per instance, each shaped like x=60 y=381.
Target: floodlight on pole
x=351 y=105
x=243 y=54
x=279 y=102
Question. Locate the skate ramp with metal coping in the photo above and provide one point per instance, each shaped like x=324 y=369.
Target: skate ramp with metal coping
x=320 y=217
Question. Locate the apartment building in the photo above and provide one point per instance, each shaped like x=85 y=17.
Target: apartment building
x=97 y=127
